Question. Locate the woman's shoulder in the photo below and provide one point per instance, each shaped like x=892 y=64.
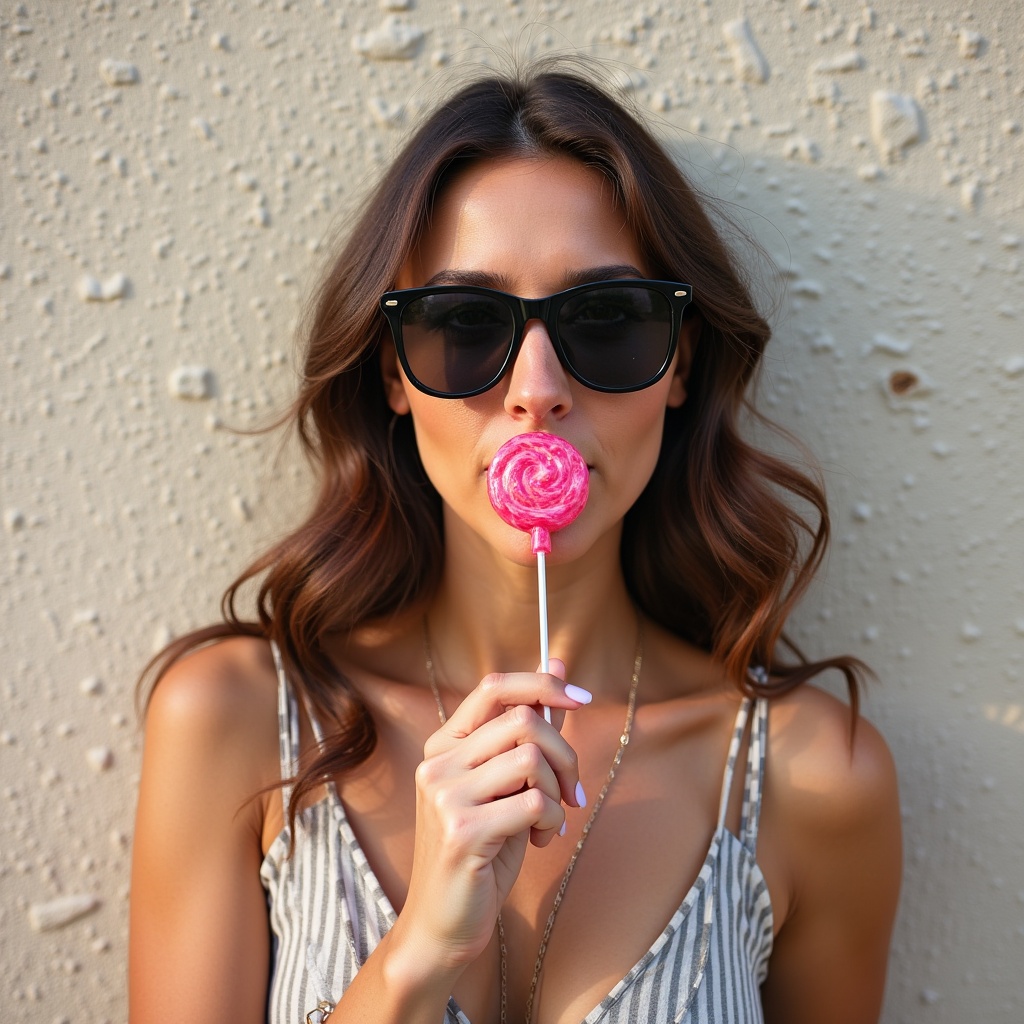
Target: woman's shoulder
x=219 y=703
x=826 y=769
x=221 y=681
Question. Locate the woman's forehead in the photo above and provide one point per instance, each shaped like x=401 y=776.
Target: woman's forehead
x=517 y=215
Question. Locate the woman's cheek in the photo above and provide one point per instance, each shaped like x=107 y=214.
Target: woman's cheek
x=631 y=444
x=452 y=463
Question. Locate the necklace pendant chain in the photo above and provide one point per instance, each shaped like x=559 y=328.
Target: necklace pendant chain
x=564 y=884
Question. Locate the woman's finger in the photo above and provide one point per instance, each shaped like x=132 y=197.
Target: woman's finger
x=528 y=810
x=516 y=727
x=523 y=767
x=499 y=691
x=556 y=667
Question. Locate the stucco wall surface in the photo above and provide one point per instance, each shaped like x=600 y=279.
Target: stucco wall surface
x=169 y=172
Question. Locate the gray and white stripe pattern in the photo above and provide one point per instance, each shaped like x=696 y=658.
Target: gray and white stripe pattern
x=328 y=911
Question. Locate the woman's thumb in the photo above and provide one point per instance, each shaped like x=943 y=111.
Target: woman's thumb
x=556 y=667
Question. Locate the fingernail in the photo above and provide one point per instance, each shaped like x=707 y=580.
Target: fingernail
x=581 y=797
x=561 y=831
x=578 y=694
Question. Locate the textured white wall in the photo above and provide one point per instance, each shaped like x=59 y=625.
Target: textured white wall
x=168 y=171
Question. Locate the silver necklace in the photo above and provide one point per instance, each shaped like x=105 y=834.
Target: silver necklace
x=563 y=885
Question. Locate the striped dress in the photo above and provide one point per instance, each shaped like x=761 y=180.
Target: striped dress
x=328 y=911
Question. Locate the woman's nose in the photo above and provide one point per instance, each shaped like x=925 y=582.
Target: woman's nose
x=538 y=387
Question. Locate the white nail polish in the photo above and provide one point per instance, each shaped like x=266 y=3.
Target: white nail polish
x=581 y=797
x=561 y=831
x=578 y=694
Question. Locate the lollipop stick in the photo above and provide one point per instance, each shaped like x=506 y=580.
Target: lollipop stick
x=542 y=596
x=537 y=483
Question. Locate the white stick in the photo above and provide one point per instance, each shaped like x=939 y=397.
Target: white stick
x=542 y=596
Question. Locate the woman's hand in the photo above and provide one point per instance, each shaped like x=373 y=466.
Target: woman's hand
x=493 y=778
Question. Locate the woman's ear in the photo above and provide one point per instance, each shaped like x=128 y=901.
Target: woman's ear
x=689 y=335
x=394 y=380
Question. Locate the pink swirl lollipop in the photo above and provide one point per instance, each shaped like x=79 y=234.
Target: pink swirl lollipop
x=537 y=483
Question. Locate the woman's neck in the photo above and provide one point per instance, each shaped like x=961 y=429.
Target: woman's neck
x=484 y=617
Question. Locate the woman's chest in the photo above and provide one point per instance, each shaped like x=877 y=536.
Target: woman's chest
x=600 y=897
x=709 y=957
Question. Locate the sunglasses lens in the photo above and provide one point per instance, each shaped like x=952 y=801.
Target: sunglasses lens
x=456 y=342
x=618 y=337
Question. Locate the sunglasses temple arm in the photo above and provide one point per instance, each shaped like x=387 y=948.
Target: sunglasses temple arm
x=542 y=595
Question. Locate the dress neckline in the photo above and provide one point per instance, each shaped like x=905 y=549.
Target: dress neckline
x=706 y=880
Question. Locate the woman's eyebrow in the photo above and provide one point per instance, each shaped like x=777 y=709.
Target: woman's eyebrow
x=485 y=279
x=475 y=278
x=612 y=272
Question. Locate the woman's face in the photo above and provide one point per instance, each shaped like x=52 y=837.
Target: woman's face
x=531 y=227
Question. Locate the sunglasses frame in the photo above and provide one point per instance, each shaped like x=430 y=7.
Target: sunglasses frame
x=546 y=310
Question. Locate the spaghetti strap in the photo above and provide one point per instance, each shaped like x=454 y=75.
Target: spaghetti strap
x=287 y=725
x=730 y=761
x=754 y=784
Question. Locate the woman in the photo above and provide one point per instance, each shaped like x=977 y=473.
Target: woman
x=731 y=835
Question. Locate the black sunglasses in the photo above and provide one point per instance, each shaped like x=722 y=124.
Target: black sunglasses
x=455 y=341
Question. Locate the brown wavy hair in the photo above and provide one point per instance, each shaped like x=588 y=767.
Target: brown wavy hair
x=718 y=548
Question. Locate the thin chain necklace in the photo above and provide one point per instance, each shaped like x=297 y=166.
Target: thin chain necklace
x=563 y=885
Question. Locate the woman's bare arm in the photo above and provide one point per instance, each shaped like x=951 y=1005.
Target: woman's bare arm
x=199 y=941
x=835 y=808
